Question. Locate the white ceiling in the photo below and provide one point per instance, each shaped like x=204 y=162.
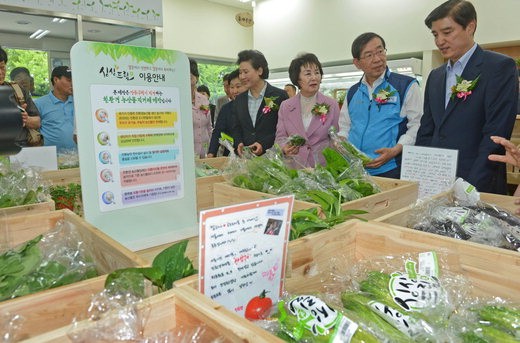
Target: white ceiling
x=234 y=3
x=26 y=24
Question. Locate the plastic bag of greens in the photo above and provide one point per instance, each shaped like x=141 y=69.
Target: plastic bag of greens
x=488 y=320
x=413 y=293
x=308 y=318
x=203 y=169
x=123 y=317
x=347 y=149
x=21 y=186
x=267 y=173
x=47 y=261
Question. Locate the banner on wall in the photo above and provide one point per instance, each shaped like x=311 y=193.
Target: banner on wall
x=148 y=12
x=135 y=142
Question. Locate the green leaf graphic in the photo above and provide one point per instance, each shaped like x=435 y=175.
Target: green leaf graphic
x=139 y=54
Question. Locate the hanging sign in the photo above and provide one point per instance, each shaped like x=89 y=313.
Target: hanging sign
x=243 y=250
x=135 y=142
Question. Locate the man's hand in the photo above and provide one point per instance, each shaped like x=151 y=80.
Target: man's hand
x=240 y=149
x=512 y=155
x=257 y=148
x=385 y=155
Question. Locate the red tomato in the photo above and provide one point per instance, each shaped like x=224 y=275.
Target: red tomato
x=258 y=307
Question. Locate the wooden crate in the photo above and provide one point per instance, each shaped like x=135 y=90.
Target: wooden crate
x=205 y=190
x=182 y=308
x=401 y=216
x=491 y=271
x=314 y=262
x=62 y=177
x=192 y=251
x=215 y=162
x=40 y=207
x=204 y=184
x=395 y=194
x=54 y=308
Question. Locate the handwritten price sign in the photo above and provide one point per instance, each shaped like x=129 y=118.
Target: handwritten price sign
x=243 y=250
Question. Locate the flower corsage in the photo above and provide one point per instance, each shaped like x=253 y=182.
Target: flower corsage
x=321 y=110
x=463 y=88
x=204 y=108
x=270 y=105
x=383 y=95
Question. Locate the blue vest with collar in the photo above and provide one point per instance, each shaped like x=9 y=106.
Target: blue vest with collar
x=375 y=126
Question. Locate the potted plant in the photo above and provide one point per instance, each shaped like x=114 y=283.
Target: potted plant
x=68 y=196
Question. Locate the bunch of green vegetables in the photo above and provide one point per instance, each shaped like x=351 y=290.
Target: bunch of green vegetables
x=20 y=187
x=495 y=323
x=315 y=321
x=168 y=266
x=24 y=271
x=204 y=169
x=269 y=174
x=375 y=309
x=328 y=214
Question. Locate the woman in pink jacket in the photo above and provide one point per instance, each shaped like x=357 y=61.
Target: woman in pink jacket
x=309 y=114
x=201 y=114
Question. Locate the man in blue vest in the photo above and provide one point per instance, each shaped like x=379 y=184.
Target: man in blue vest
x=383 y=110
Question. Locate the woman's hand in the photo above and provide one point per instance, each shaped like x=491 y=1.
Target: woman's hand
x=512 y=155
x=290 y=150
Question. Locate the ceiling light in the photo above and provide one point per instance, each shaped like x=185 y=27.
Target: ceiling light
x=43 y=34
x=59 y=20
x=38 y=34
x=23 y=22
x=244 y=0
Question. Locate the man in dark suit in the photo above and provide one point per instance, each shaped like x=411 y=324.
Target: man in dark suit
x=469 y=99
x=255 y=112
x=224 y=123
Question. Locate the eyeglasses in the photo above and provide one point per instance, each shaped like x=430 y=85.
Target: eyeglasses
x=369 y=56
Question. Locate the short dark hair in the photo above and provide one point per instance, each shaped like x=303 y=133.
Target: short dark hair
x=203 y=88
x=300 y=61
x=257 y=60
x=3 y=55
x=233 y=75
x=291 y=85
x=225 y=78
x=19 y=70
x=461 y=11
x=194 y=69
x=361 y=41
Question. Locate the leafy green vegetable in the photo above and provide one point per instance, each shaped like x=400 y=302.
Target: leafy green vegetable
x=294 y=330
x=357 y=306
x=23 y=271
x=296 y=140
x=168 y=266
x=351 y=149
x=203 y=169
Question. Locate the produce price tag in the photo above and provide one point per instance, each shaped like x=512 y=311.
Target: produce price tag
x=433 y=168
x=243 y=251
